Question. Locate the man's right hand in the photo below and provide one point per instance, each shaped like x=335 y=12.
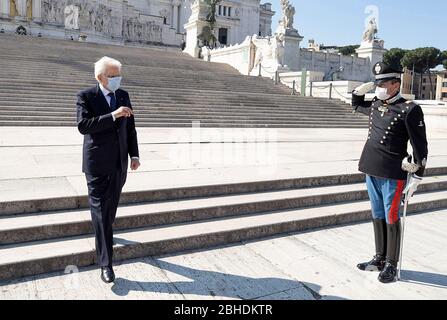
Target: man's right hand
x=364 y=88
x=122 y=112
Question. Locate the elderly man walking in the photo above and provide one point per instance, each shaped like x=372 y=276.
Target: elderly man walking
x=106 y=119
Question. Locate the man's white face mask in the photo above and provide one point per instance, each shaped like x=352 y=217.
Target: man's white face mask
x=114 y=83
x=382 y=93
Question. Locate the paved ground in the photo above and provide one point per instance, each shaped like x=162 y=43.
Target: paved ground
x=46 y=162
x=312 y=265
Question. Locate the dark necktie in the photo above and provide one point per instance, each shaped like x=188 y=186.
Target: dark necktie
x=112 y=101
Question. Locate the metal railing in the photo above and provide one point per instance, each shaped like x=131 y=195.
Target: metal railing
x=277 y=79
x=332 y=89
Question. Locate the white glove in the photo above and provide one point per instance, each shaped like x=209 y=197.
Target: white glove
x=409 y=167
x=364 y=88
x=412 y=186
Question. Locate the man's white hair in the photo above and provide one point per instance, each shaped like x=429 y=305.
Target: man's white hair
x=102 y=64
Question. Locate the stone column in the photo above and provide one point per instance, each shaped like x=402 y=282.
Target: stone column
x=37 y=10
x=21 y=7
x=29 y=9
x=175 y=10
x=179 y=19
x=4 y=8
x=13 y=8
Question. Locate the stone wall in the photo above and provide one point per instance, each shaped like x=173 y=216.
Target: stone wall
x=354 y=68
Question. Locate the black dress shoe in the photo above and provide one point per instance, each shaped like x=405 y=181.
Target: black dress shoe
x=376 y=264
x=107 y=274
x=388 y=274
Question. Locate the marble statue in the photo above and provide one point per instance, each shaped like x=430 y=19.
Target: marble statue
x=71 y=17
x=269 y=52
x=288 y=13
x=277 y=44
x=370 y=33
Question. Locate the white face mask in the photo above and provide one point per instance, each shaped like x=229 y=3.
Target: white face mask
x=114 y=83
x=382 y=93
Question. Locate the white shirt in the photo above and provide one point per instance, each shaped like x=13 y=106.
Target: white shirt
x=106 y=92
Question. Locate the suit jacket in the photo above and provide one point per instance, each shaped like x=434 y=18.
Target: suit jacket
x=107 y=143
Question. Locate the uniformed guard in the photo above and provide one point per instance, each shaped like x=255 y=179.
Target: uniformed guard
x=393 y=121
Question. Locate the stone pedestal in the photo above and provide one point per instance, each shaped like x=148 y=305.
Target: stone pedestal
x=72 y=34
x=292 y=41
x=194 y=27
x=372 y=51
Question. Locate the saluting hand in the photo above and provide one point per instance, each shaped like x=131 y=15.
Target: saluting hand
x=364 y=89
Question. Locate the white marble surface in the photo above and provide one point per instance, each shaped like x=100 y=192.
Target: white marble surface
x=46 y=162
x=312 y=265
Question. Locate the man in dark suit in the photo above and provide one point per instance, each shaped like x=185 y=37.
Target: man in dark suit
x=105 y=118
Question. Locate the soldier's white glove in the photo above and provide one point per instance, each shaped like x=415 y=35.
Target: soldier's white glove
x=412 y=186
x=364 y=88
x=409 y=167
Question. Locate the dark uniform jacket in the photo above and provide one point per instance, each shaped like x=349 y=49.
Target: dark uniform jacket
x=391 y=126
x=107 y=143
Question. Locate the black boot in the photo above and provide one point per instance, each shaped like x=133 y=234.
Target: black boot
x=389 y=272
x=378 y=262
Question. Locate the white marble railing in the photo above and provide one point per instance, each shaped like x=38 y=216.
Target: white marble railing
x=239 y=56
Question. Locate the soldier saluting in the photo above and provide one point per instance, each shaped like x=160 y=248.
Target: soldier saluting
x=393 y=121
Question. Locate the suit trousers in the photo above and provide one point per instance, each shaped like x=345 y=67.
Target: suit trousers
x=104 y=193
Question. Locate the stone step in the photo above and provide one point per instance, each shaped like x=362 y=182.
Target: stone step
x=175 y=108
x=162 y=75
x=70 y=101
x=188 y=115
x=144 y=91
x=148 y=93
x=42 y=123
x=26 y=84
x=214 y=91
x=131 y=73
x=212 y=190
x=172 y=96
x=162 y=78
x=50 y=225
x=241 y=88
x=84 y=60
x=145 y=114
x=31 y=258
x=184 y=119
x=168 y=89
x=144 y=69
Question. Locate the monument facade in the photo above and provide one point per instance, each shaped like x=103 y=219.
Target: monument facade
x=128 y=21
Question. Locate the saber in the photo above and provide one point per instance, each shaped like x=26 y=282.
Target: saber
x=406 y=200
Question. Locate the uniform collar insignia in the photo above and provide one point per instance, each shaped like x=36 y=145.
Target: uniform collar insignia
x=394 y=99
